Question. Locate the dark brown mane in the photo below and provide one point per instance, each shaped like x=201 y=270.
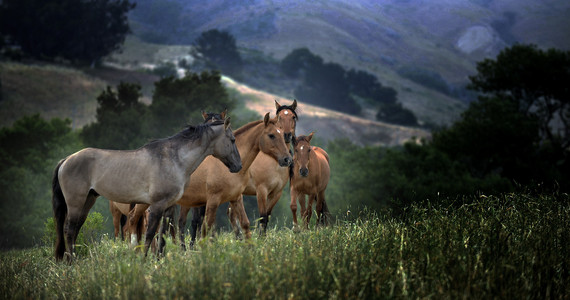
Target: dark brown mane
x=289 y=107
x=302 y=138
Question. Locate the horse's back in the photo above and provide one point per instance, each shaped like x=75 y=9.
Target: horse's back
x=324 y=167
x=322 y=153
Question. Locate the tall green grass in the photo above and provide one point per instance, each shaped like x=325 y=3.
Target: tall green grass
x=510 y=246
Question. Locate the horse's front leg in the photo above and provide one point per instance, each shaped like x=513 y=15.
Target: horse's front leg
x=156 y=213
x=308 y=211
x=210 y=218
x=232 y=213
x=182 y=226
x=242 y=215
x=262 y=205
x=294 y=207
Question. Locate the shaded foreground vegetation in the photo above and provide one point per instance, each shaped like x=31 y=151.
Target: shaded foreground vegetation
x=508 y=246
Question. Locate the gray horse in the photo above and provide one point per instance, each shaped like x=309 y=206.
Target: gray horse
x=154 y=174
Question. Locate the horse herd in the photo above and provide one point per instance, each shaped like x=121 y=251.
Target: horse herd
x=198 y=168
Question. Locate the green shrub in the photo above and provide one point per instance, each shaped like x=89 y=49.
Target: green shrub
x=90 y=232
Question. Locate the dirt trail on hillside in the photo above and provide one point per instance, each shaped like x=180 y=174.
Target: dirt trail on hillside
x=329 y=124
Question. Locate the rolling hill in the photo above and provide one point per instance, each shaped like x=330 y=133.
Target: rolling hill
x=439 y=37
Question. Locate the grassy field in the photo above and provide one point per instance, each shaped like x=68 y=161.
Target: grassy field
x=509 y=246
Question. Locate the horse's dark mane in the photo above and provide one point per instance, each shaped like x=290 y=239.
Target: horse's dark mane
x=300 y=138
x=249 y=125
x=189 y=133
x=289 y=107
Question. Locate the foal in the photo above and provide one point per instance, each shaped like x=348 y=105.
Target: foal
x=310 y=176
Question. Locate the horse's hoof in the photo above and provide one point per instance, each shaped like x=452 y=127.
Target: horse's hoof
x=296 y=229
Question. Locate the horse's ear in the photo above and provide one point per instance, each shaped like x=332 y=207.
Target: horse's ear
x=310 y=136
x=266 y=119
x=277 y=105
x=227 y=123
x=204 y=115
x=223 y=114
x=294 y=105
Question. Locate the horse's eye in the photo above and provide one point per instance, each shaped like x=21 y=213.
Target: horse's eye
x=272 y=136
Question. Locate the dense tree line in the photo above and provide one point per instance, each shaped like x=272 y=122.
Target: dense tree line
x=330 y=85
x=503 y=141
x=75 y=30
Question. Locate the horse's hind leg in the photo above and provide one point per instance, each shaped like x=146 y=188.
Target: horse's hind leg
x=323 y=213
x=116 y=214
x=233 y=216
x=76 y=216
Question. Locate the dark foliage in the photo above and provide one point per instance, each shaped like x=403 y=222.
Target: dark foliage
x=536 y=81
x=159 y=21
x=28 y=152
x=178 y=99
x=119 y=119
x=220 y=50
x=330 y=85
x=395 y=113
x=75 y=30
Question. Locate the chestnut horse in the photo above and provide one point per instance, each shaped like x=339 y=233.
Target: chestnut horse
x=154 y=174
x=310 y=176
x=212 y=185
x=267 y=178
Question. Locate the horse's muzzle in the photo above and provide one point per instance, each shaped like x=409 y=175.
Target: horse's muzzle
x=234 y=168
x=285 y=162
x=304 y=172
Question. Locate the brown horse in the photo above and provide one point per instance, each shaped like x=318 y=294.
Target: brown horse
x=310 y=176
x=120 y=214
x=154 y=174
x=267 y=179
x=212 y=185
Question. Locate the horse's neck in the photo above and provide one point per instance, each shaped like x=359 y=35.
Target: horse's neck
x=248 y=145
x=192 y=157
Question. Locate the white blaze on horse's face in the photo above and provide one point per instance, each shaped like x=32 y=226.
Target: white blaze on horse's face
x=287 y=121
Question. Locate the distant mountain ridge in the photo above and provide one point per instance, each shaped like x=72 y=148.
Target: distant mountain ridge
x=444 y=37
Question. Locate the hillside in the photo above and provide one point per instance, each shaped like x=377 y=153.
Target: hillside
x=329 y=124
x=443 y=37
x=56 y=91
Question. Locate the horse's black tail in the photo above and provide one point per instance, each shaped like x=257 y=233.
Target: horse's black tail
x=59 y=212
